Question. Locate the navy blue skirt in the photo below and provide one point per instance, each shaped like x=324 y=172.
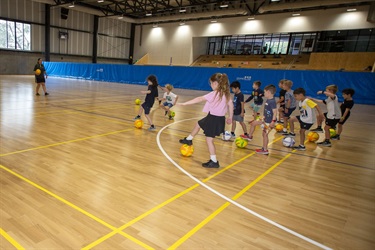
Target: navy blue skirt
x=212 y=125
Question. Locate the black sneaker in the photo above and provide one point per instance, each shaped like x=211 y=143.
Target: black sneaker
x=290 y=134
x=317 y=130
x=324 y=143
x=211 y=164
x=170 y=117
x=300 y=148
x=186 y=141
x=335 y=137
x=166 y=112
x=137 y=117
x=46 y=94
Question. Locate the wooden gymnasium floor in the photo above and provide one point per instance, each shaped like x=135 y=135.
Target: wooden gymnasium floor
x=76 y=174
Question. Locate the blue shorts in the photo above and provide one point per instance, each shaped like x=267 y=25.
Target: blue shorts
x=170 y=105
x=290 y=111
x=255 y=107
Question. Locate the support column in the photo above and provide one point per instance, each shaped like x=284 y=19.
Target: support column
x=47 y=31
x=95 y=40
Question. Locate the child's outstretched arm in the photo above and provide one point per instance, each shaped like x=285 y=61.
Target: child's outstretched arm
x=145 y=91
x=314 y=99
x=193 y=101
x=249 y=98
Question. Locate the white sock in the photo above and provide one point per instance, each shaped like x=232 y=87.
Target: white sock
x=190 y=137
x=213 y=158
x=285 y=130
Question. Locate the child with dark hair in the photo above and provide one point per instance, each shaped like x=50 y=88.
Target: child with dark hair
x=257 y=95
x=345 y=107
x=238 y=109
x=307 y=116
x=290 y=105
x=333 y=114
x=151 y=94
x=269 y=119
x=218 y=103
x=281 y=101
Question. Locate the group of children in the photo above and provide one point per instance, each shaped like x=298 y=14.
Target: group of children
x=289 y=100
x=219 y=103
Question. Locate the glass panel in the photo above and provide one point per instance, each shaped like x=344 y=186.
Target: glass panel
x=3 y=34
x=26 y=37
x=19 y=36
x=11 y=34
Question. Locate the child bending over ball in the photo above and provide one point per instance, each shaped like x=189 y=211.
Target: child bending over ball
x=169 y=100
x=218 y=103
x=307 y=116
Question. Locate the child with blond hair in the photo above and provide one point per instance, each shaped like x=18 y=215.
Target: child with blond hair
x=169 y=100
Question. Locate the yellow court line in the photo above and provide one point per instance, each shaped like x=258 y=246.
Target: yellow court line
x=107 y=236
x=66 y=142
x=11 y=240
x=142 y=216
x=73 y=206
x=226 y=204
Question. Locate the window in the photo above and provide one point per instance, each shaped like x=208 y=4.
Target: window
x=15 y=35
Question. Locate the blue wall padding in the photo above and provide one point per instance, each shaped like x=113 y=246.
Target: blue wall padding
x=197 y=77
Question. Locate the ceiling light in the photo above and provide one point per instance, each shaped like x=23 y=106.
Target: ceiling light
x=120 y=17
x=182 y=10
x=149 y=13
x=213 y=21
x=71 y=5
x=351 y=10
x=296 y=14
x=224 y=5
x=100 y=1
x=182 y=23
x=155 y=25
x=275 y=0
x=251 y=18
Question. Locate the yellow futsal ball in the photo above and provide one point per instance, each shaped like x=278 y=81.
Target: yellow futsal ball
x=332 y=132
x=279 y=127
x=187 y=150
x=138 y=123
x=38 y=72
x=172 y=113
x=240 y=142
x=137 y=101
x=312 y=136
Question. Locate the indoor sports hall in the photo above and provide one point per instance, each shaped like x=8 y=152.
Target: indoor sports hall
x=75 y=172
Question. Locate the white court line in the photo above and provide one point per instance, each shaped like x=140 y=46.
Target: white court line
x=229 y=199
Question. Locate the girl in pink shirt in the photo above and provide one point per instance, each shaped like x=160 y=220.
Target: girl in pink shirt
x=218 y=102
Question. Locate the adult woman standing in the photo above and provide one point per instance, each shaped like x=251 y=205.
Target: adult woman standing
x=40 y=76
